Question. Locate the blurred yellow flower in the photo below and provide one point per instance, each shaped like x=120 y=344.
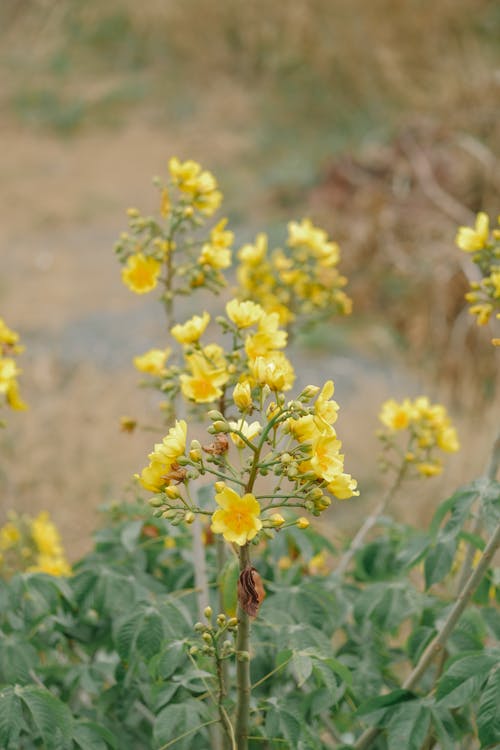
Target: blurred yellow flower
x=396 y=416
x=237 y=518
x=268 y=337
x=244 y=314
x=9 y=535
x=153 y=361
x=472 y=240
x=302 y=523
x=141 y=273
x=253 y=254
x=190 y=331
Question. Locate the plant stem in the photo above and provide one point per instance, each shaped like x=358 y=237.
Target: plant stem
x=370 y=522
x=437 y=643
x=243 y=665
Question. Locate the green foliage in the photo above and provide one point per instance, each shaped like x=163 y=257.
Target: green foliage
x=109 y=658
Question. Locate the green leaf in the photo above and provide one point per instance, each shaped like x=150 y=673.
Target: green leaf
x=384 y=701
x=490 y=502
x=11 y=719
x=302 y=666
x=17 y=659
x=463 y=679
x=488 y=717
x=175 y=721
x=387 y=604
x=439 y=560
x=408 y=727
x=91 y=736
x=281 y=723
x=51 y=717
x=459 y=504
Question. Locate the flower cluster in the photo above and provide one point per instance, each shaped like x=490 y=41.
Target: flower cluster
x=9 y=371
x=304 y=280
x=288 y=458
x=33 y=545
x=484 y=247
x=428 y=431
x=147 y=251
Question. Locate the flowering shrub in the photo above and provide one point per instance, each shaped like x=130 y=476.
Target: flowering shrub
x=388 y=642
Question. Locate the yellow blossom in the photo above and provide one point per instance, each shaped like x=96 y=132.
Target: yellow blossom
x=315 y=239
x=191 y=330
x=200 y=184
x=237 y=518
x=317 y=564
x=9 y=535
x=141 y=273
x=164 y=456
x=8 y=373
x=472 y=240
x=268 y=337
x=447 y=440
x=482 y=312
x=153 y=361
x=247 y=430
x=396 y=416
x=14 y=400
x=244 y=314
x=343 y=487
x=324 y=408
x=253 y=254
x=429 y=469
x=54 y=566
x=275 y=371
x=242 y=395
x=326 y=461
x=46 y=536
x=8 y=336
x=205 y=382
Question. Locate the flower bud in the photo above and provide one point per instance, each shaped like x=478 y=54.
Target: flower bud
x=208 y=612
x=219 y=486
x=214 y=414
x=195 y=455
x=277 y=520
x=221 y=620
x=199 y=627
x=170 y=513
x=243 y=656
x=193 y=650
x=232 y=622
x=172 y=492
x=189 y=517
x=302 y=523
x=155 y=502
x=207 y=637
x=220 y=426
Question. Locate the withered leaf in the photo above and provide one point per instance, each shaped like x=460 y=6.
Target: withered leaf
x=250 y=591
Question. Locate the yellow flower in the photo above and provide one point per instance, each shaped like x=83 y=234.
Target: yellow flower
x=205 y=383
x=396 y=416
x=268 y=337
x=315 y=239
x=429 y=469
x=242 y=395
x=191 y=330
x=7 y=336
x=317 y=564
x=302 y=523
x=326 y=461
x=343 y=487
x=8 y=373
x=252 y=255
x=46 y=536
x=13 y=398
x=472 y=240
x=482 y=312
x=153 y=361
x=324 y=408
x=9 y=535
x=447 y=440
x=54 y=566
x=140 y=273
x=200 y=185
x=244 y=314
x=275 y=371
x=164 y=456
x=238 y=517
x=248 y=430
x=215 y=257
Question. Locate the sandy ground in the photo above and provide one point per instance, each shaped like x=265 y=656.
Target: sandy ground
x=62 y=207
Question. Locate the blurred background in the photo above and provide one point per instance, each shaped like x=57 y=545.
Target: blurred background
x=378 y=120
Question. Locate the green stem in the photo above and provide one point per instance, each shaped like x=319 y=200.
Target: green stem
x=243 y=665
